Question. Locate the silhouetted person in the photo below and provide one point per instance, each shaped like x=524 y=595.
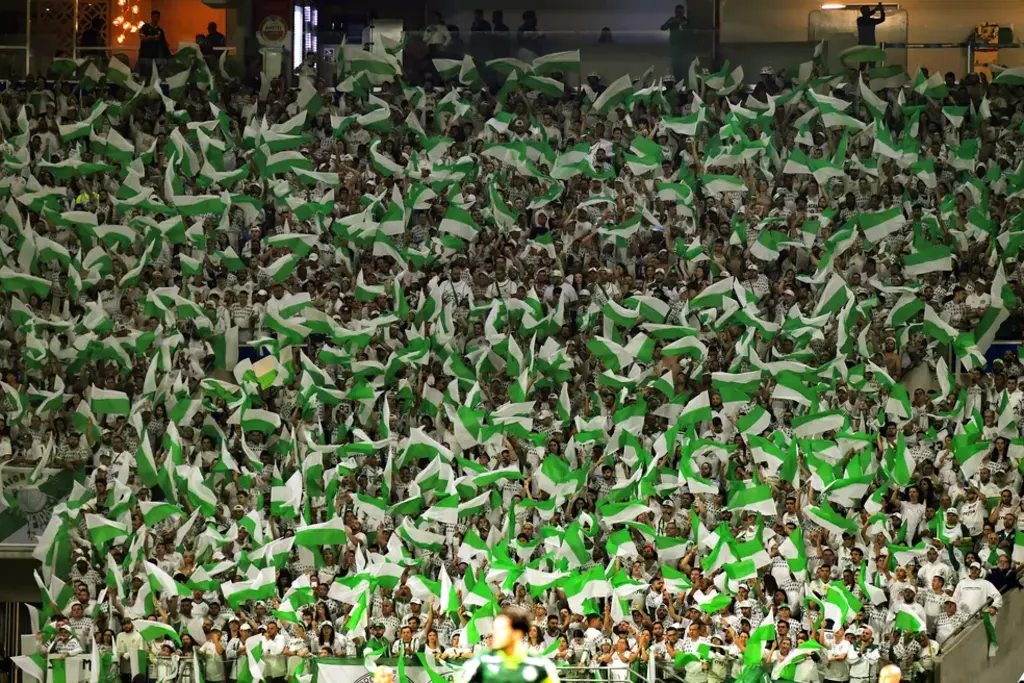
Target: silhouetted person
x=153 y=44
x=529 y=36
x=480 y=25
x=498 y=19
x=502 y=34
x=214 y=41
x=676 y=25
x=867 y=22
x=480 y=37
x=92 y=37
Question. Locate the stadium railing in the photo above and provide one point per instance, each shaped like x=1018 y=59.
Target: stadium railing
x=77 y=669
x=627 y=52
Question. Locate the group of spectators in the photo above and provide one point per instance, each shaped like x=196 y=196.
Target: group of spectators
x=694 y=372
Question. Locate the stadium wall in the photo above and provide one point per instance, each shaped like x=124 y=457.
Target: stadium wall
x=928 y=21
x=966 y=660
x=573 y=16
x=183 y=19
x=748 y=22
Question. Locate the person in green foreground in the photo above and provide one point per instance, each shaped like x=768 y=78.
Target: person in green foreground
x=507 y=661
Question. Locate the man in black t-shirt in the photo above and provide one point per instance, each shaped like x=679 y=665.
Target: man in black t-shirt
x=153 y=46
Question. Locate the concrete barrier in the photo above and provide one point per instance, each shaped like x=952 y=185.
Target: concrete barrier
x=965 y=656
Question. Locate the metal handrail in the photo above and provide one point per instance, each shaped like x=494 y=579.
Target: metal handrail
x=119 y=48
x=587 y=674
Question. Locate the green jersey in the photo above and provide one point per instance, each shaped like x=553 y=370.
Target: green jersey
x=496 y=667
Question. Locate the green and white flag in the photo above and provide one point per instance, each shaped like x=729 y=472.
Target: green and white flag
x=814 y=424
x=102 y=530
x=714 y=295
x=290 y=330
x=155 y=630
x=73 y=131
x=286 y=499
x=34 y=665
x=458 y=222
x=614 y=95
x=887 y=77
x=680 y=193
x=119 y=149
x=930 y=259
x=955 y=115
x=757 y=644
x=697 y=410
x=325 y=534
x=908 y=306
x=419 y=538
x=374 y=63
x=161 y=581
x=504 y=216
x=720 y=184
x=791 y=387
x=880 y=224
x=13 y=281
x=755 y=499
x=908 y=621
x=754 y=422
x=557 y=62
x=154 y=513
x=768 y=453
x=1012 y=76
x=968 y=454
x=898 y=404
x=448 y=69
x=899 y=463
x=827 y=518
x=259 y=420
x=936 y=328
x=686 y=125
x=365 y=292
x=545 y=86
x=876 y=105
x=106 y=402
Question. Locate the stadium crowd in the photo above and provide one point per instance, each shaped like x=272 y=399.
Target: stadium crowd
x=341 y=370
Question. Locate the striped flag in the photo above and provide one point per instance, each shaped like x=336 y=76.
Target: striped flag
x=458 y=222
x=614 y=95
x=557 y=62
x=106 y=402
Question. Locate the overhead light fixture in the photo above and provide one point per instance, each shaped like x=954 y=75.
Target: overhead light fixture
x=839 y=5
x=123 y=23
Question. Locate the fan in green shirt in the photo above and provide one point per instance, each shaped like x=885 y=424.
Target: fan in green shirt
x=507 y=661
